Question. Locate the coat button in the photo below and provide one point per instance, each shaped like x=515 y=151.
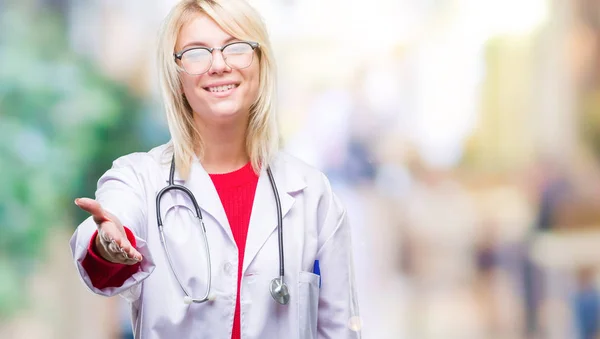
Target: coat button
x=228 y=268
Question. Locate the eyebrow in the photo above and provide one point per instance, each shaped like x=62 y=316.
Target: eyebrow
x=202 y=44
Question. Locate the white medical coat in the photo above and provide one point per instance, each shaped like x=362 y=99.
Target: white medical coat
x=314 y=228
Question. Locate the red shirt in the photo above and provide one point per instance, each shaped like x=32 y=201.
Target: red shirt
x=236 y=191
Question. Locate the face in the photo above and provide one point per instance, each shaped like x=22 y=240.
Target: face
x=222 y=94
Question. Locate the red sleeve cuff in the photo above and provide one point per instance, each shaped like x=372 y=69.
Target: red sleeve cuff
x=104 y=273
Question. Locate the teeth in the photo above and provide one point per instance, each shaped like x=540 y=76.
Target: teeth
x=221 y=88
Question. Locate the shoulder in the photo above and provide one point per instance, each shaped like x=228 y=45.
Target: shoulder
x=297 y=164
x=320 y=200
x=301 y=176
x=142 y=162
x=292 y=166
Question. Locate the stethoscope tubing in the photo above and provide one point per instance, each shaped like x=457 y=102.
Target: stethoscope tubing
x=279 y=222
x=281 y=295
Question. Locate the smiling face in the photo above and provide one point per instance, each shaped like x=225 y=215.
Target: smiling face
x=222 y=94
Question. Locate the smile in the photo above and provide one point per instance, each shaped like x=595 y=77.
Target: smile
x=221 y=89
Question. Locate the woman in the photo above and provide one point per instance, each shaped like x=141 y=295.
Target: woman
x=257 y=205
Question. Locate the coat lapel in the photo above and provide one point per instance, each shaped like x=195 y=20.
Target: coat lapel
x=263 y=220
x=206 y=195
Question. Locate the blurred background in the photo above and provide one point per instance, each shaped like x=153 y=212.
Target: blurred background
x=463 y=136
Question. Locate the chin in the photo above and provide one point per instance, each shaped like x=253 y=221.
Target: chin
x=225 y=112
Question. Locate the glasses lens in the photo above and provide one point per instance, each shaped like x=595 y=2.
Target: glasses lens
x=196 y=61
x=238 y=55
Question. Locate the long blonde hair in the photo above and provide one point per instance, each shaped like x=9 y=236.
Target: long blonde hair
x=240 y=20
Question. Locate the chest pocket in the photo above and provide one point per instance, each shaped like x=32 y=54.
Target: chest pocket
x=308 y=304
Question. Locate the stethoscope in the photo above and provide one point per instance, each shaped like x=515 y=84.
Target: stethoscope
x=278 y=287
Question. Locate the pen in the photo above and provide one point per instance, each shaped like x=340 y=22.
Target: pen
x=317 y=271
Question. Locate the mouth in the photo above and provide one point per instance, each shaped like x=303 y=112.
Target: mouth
x=221 y=89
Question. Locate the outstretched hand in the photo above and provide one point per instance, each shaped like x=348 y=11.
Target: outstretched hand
x=112 y=243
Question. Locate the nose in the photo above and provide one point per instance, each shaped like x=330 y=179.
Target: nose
x=218 y=66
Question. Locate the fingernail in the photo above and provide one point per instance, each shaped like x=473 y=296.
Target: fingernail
x=77 y=201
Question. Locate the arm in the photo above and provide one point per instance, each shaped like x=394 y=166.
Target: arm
x=121 y=194
x=338 y=305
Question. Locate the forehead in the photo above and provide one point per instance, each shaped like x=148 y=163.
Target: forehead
x=201 y=30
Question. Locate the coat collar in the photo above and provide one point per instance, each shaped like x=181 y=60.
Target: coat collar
x=263 y=219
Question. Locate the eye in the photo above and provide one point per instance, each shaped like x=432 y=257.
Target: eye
x=237 y=48
x=196 y=54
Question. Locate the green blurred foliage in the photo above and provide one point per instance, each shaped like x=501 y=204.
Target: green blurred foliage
x=62 y=123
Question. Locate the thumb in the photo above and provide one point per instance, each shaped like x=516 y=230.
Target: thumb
x=93 y=207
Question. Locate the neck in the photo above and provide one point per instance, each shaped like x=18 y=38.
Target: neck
x=224 y=146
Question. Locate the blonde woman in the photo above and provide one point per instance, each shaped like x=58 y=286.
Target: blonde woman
x=218 y=234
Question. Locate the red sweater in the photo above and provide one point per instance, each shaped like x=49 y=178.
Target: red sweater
x=236 y=190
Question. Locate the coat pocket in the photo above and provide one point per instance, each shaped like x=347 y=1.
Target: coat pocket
x=308 y=304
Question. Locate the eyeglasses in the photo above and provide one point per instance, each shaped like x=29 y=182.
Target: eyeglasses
x=197 y=60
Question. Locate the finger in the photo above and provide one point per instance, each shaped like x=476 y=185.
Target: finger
x=134 y=254
x=120 y=246
x=93 y=207
x=128 y=250
x=113 y=248
x=124 y=258
x=122 y=242
x=130 y=262
x=108 y=232
x=104 y=236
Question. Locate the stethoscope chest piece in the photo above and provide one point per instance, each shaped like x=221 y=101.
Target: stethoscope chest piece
x=279 y=291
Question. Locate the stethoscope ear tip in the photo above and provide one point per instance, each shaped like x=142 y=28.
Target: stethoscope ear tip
x=187 y=300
